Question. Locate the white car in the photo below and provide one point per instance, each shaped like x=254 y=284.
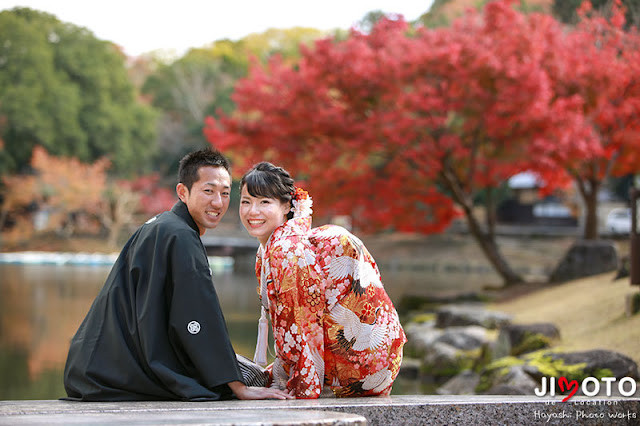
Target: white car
x=619 y=221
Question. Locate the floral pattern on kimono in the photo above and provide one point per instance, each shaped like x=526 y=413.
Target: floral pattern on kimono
x=334 y=325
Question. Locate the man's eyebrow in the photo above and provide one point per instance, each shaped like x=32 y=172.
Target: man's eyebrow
x=217 y=184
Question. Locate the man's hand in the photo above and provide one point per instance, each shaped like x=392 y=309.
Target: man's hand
x=242 y=391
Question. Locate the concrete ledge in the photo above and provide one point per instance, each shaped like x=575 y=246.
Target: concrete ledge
x=194 y=414
x=394 y=410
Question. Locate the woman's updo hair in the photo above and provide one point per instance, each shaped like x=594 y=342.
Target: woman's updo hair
x=268 y=181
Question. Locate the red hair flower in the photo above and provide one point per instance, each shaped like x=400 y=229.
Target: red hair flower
x=301 y=202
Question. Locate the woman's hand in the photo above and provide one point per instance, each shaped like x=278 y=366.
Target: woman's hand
x=242 y=391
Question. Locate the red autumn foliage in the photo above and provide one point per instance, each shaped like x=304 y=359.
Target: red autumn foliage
x=387 y=126
x=596 y=68
x=404 y=129
x=154 y=198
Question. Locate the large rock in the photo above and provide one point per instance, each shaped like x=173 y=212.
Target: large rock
x=586 y=258
x=443 y=360
x=600 y=359
x=465 y=338
x=462 y=384
x=420 y=337
x=410 y=368
x=515 y=381
x=517 y=339
x=471 y=314
x=445 y=352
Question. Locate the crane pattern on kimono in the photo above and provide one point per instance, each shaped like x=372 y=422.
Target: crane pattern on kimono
x=376 y=382
x=356 y=335
x=360 y=271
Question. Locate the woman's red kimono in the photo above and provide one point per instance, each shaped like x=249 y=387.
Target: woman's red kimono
x=334 y=325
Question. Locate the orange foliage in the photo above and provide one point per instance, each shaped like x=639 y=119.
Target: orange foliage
x=76 y=196
x=21 y=230
x=19 y=191
x=68 y=184
x=60 y=186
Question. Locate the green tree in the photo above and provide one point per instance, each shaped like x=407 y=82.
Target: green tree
x=285 y=42
x=443 y=12
x=185 y=92
x=66 y=90
x=369 y=20
x=567 y=10
x=200 y=83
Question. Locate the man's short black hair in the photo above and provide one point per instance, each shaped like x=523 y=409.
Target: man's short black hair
x=191 y=163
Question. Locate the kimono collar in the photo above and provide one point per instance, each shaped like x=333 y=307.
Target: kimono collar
x=295 y=226
x=180 y=209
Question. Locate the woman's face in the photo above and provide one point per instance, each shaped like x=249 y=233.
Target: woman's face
x=261 y=216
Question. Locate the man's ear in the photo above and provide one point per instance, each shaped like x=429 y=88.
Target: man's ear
x=182 y=191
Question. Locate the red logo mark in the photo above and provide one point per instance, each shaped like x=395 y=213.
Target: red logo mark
x=566 y=385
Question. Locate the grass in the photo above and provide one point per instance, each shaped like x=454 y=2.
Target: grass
x=590 y=313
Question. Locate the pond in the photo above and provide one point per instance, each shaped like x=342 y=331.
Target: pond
x=41 y=307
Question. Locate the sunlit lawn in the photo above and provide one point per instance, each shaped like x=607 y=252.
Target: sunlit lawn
x=589 y=312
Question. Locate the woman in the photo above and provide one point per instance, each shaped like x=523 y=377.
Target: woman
x=336 y=330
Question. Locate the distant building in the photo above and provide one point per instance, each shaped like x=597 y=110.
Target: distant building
x=526 y=207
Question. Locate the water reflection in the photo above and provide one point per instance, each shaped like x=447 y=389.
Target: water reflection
x=41 y=307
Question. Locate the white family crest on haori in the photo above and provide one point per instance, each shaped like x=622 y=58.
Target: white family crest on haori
x=359 y=335
x=193 y=327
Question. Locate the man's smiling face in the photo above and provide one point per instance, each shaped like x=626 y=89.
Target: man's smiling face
x=208 y=199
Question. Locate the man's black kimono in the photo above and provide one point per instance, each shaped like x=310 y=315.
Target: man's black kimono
x=155 y=330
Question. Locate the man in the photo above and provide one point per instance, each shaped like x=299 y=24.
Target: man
x=156 y=330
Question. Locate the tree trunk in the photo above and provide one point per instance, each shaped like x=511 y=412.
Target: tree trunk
x=486 y=239
x=3 y=218
x=589 y=192
x=490 y=249
x=114 y=233
x=117 y=214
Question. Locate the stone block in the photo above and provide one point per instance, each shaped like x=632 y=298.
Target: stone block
x=585 y=258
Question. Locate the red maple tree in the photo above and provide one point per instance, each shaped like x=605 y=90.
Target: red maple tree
x=405 y=129
x=596 y=68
